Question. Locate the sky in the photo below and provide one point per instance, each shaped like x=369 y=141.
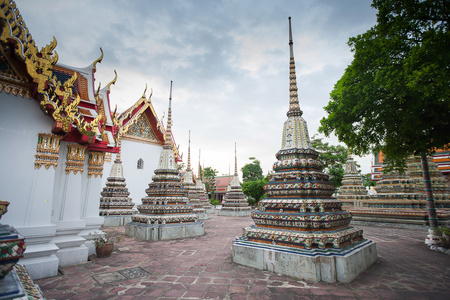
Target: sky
x=228 y=60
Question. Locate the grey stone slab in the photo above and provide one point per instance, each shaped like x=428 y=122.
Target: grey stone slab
x=108 y=277
x=313 y=267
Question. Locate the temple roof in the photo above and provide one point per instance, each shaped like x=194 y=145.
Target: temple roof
x=64 y=93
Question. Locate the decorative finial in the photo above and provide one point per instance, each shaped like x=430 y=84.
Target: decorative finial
x=113 y=81
x=169 y=121
x=291 y=42
x=145 y=91
x=294 y=106
x=235 y=161
x=349 y=154
x=189 y=153
x=98 y=60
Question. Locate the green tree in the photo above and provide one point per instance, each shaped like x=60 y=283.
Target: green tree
x=333 y=159
x=252 y=171
x=209 y=175
x=394 y=96
x=367 y=180
x=254 y=190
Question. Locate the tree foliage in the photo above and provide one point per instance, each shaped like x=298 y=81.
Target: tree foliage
x=333 y=159
x=252 y=171
x=209 y=175
x=254 y=190
x=395 y=94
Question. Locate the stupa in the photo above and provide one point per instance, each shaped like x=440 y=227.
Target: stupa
x=400 y=200
x=201 y=189
x=439 y=185
x=165 y=213
x=234 y=202
x=115 y=205
x=191 y=188
x=300 y=230
x=352 y=189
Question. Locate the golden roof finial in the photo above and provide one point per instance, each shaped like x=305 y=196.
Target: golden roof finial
x=112 y=82
x=98 y=60
x=143 y=95
x=150 y=97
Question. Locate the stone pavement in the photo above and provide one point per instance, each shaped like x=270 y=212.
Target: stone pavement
x=202 y=268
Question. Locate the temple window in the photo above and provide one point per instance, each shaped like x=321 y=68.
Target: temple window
x=140 y=163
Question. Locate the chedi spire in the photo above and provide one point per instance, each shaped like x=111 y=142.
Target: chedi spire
x=300 y=220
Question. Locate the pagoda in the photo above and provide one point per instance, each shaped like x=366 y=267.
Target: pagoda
x=191 y=188
x=115 y=205
x=300 y=229
x=400 y=199
x=165 y=213
x=234 y=202
x=352 y=188
x=201 y=189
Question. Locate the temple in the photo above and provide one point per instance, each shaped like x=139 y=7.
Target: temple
x=191 y=188
x=166 y=212
x=300 y=230
x=142 y=139
x=234 y=202
x=400 y=199
x=57 y=128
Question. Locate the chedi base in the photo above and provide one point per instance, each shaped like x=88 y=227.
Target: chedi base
x=328 y=265
x=162 y=232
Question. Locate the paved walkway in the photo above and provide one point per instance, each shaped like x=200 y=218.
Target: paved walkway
x=202 y=268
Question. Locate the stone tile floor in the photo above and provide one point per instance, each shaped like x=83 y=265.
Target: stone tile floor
x=202 y=268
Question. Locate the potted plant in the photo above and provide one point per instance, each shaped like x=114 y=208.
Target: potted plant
x=104 y=242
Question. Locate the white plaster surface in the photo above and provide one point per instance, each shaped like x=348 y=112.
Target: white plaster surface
x=114 y=221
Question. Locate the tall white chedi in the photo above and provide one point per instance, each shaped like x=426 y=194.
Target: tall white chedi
x=234 y=201
x=166 y=212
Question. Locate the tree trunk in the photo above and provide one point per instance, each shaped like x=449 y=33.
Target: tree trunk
x=431 y=207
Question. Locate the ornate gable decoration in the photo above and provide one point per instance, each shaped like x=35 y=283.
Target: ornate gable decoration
x=142 y=129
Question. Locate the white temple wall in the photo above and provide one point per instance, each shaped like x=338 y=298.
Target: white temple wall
x=21 y=121
x=137 y=179
x=29 y=190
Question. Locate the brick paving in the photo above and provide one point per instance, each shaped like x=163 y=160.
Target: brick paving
x=202 y=268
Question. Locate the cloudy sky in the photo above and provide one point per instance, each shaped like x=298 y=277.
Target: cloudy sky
x=229 y=62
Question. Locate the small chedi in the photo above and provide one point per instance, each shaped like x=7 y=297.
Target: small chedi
x=234 y=202
x=115 y=205
x=201 y=188
x=401 y=200
x=166 y=212
x=191 y=188
x=352 y=189
x=300 y=229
